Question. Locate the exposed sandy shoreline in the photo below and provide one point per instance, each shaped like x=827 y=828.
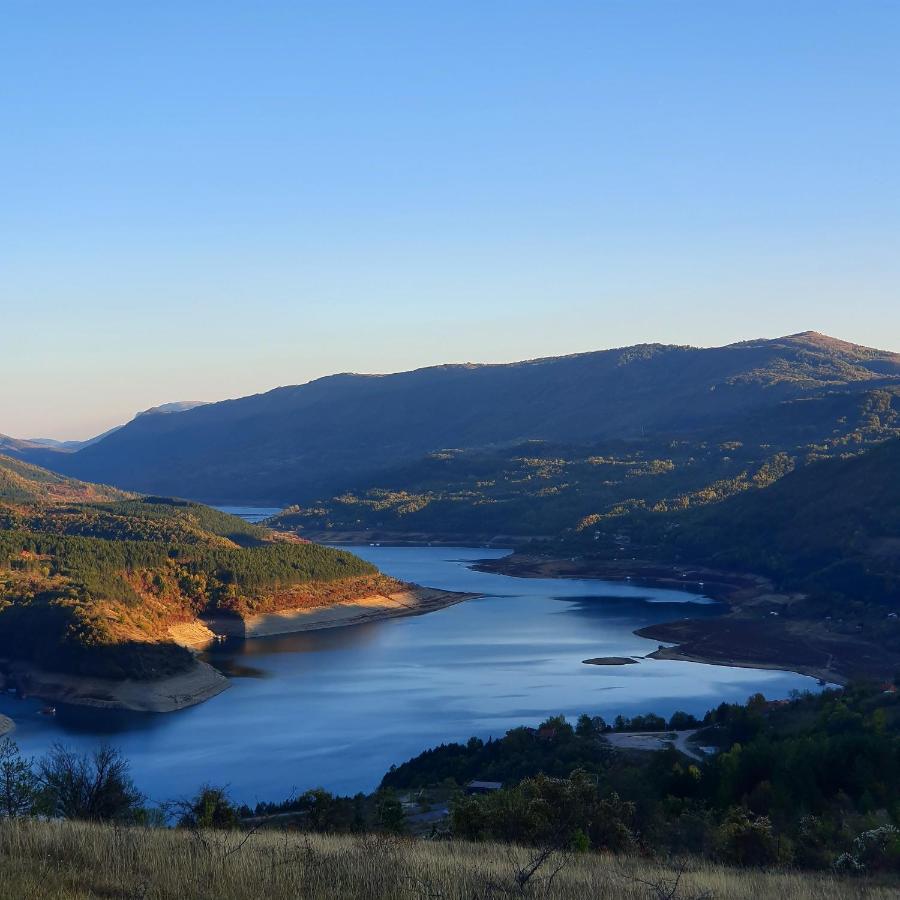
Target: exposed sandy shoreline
x=6 y=725
x=676 y=653
x=191 y=634
x=412 y=602
x=189 y=688
x=202 y=681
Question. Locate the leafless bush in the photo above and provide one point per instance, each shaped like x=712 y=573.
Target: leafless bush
x=666 y=887
x=532 y=878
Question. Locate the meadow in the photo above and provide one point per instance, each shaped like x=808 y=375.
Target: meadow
x=76 y=861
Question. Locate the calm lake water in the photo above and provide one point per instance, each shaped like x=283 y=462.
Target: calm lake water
x=336 y=708
x=253 y=514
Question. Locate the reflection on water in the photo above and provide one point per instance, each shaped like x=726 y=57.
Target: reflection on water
x=337 y=707
x=321 y=641
x=230 y=665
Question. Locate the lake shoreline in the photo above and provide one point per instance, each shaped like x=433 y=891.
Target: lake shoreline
x=377 y=538
x=196 y=685
x=755 y=633
x=343 y=704
x=414 y=601
x=203 y=681
x=723 y=586
x=676 y=653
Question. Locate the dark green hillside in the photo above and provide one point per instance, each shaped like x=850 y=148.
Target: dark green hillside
x=299 y=444
x=831 y=529
x=36 y=499
x=545 y=489
x=813 y=782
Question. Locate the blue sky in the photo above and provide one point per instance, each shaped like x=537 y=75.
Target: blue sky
x=208 y=199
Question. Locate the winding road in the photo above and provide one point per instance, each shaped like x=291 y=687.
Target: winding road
x=656 y=740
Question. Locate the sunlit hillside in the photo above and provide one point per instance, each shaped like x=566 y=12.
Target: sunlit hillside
x=91 y=578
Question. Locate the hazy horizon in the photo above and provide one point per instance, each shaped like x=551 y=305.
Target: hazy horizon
x=207 y=201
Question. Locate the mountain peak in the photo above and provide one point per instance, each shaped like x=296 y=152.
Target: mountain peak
x=175 y=407
x=817 y=339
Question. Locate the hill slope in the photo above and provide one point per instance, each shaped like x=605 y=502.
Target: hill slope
x=832 y=528
x=44 y=448
x=295 y=444
x=92 y=580
x=542 y=489
x=21 y=482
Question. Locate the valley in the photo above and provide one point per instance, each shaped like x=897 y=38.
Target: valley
x=637 y=579
x=337 y=707
x=450 y=451
x=775 y=481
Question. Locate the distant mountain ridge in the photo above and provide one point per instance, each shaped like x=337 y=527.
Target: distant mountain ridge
x=21 y=446
x=293 y=442
x=296 y=443
x=175 y=407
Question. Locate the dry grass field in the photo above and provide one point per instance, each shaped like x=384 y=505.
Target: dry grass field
x=50 y=861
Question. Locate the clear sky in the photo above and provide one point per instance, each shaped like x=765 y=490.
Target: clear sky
x=208 y=199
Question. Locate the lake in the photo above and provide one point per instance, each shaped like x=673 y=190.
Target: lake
x=337 y=707
x=252 y=514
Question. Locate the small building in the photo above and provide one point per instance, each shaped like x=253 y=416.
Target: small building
x=776 y=704
x=483 y=787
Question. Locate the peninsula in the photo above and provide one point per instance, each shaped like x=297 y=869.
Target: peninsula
x=105 y=595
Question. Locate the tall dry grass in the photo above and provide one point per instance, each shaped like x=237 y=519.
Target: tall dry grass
x=45 y=861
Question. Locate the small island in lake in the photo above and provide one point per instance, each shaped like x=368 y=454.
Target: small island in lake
x=610 y=661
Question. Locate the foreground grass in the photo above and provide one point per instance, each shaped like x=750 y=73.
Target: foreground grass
x=74 y=860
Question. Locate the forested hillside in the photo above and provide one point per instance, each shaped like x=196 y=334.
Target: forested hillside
x=24 y=483
x=832 y=529
x=811 y=783
x=349 y=432
x=90 y=578
x=547 y=490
